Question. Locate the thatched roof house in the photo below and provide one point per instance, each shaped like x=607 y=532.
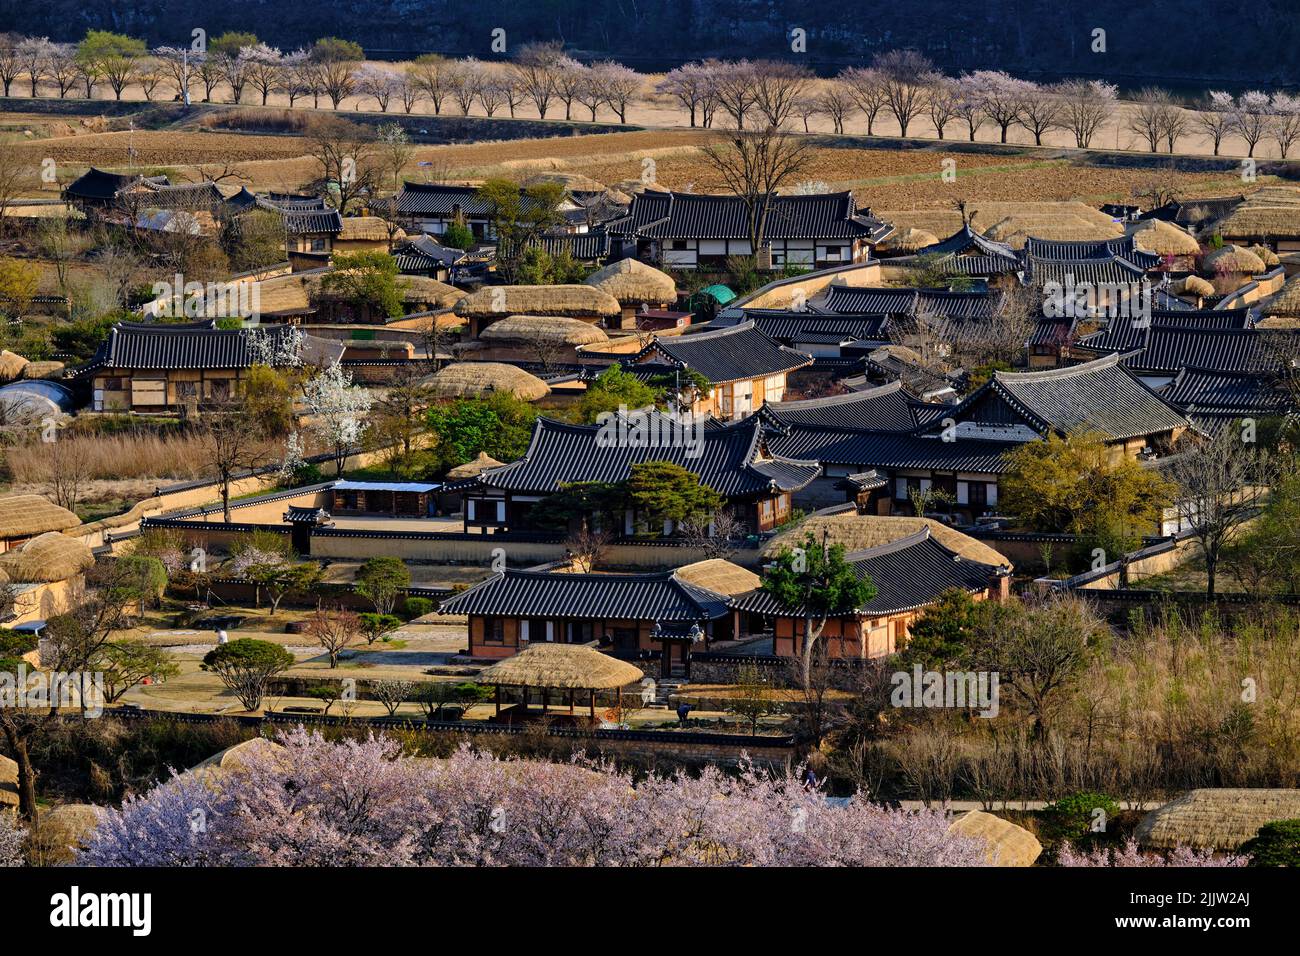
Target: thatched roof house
x=66 y=829
x=908 y=240
x=471 y=469
x=562 y=667
x=1286 y=304
x=23 y=517
x=719 y=576
x=1007 y=844
x=494 y=303
x=859 y=532
x=1196 y=287
x=634 y=283
x=1218 y=819
x=11 y=365
x=1163 y=239
x=1270 y=215
x=41 y=370
x=233 y=758
x=545 y=329
x=430 y=293
x=1266 y=255
x=1233 y=259
x=47 y=558
x=473 y=379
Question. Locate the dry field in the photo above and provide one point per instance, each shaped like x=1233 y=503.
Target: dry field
x=882 y=178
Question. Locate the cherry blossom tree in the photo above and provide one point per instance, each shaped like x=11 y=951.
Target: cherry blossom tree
x=361 y=803
x=337 y=411
x=11 y=841
x=1131 y=855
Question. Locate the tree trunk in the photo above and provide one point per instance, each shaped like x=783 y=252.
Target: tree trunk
x=26 y=776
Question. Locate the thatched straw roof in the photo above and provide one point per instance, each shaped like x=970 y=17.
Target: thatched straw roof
x=1287 y=301
x=908 y=240
x=46 y=558
x=366 y=229
x=472 y=469
x=1271 y=212
x=859 y=532
x=633 y=282
x=550 y=329
x=575 y=301
x=8 y=783
x=563 y=666
x=1014 y=221
x=1007 y=843
x=43 y=370
x=1219 y=819
x=423 y=290
x=1266 y=255
x=719 y=576
x=462 y=379
x=25 y=516
x=1232 y=259
x=1196 y=286
x=11 y=365
x=1163 y=238
x=233 y=758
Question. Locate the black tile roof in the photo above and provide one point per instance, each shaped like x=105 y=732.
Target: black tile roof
x=729 y=354
x=669 y=215
x=1075 y=250
x=732 y=459
x=908 y=573
x=883 y=408
x=441 y=201
x=1115 y=271
x=310 y=221
x=636 y=597
x=966 y=252
x=1170 y=348
x=589 y=246
x=1099 y=396
x=911 y=302
x=1207 y=391
x=1127 y=332
x=892 y=450
x=181 y=195
x=97 y=184
x=789 y=327
x=163 y=346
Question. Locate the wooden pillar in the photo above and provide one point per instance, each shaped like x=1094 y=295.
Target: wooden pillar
x=498 y=699
x=592 y=701
x=571 y=692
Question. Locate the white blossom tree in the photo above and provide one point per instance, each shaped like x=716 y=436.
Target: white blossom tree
x=337 y=411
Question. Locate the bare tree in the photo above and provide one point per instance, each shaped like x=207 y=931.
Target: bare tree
x=1147 y=117
x=735 y=90
x=35 y=53
x=263 y=67
x=67 y=468
x=379 y=83
x=754 y=165
x=836 y=102
x=693 y=86
x=1214 y=118
x=535 y=67
x=586 y=546
x=779 y=86
x=61 y=67
x=231 y=442
x=16 y=177
x=430 y=74
x=943 y=103
x=618 y=85
x=718 y=535
x=335 y=631
x=464 y=80
x=867 y=87
x=347 y=155
x=1040 y=111
x=1085 y=106
x=1285 y=127
x=1251 y=117
x=907 y=76
x=1221 y=484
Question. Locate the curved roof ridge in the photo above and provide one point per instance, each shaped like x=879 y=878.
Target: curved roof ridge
x=847 y=398
x=1050 y=374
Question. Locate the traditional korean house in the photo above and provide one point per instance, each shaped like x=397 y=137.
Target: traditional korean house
x=101 y=194
x=617 y=612
x=425 y=256
x=821 y=335
x=311 y=231
x=433 y=207
x=975 y=305
x=1100 y=396
x=909 y=574
x=971 y=255
x=690 y=231
x=493 y=303
x=24 y=517
x=883 y=408
x=636 y=286
x=745 y=368
x=394 y=499
x=159 y=367
x=731 y=459
x=1213 y=399
x=1155 y=354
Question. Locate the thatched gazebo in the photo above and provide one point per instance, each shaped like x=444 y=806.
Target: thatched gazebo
x=1163 y=239
x=564 y=667
x=545 y=330
x=1233 y=259
x=1217 y=819
x=474 y=379
x=1006 y=843
x=907 y=241
x=634 y=284
x=47 y=558
x=23 y=517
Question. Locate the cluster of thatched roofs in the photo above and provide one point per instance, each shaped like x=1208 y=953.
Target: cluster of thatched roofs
x=46 y=554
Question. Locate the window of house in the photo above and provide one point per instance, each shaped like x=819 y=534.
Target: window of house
x=774 y=388
x=724 y=399
x=494 y=630
x=978 y=494
x=318 y=245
